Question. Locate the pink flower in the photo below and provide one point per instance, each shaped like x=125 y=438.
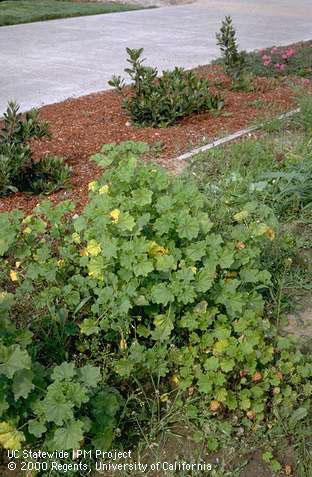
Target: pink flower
x=266 y=60
x=274 y=50
x=280 y=66
x=288 y=53
x=306 y=82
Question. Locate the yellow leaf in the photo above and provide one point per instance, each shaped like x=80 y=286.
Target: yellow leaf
x=174 y=380
x=10 y=437
x=214 y=406
x=27 y=219
x=93 y=248
x=251 y=415
x=260 y=229
x=3 y=295
x=95 y=274
x=13 y=276
x=114 y=215
x=270 y=233
x=76 y=237
x=123 y=344
x=104 y=189
x=93 y=186
x=220 y=346
x=240 y=216
x=156 y=250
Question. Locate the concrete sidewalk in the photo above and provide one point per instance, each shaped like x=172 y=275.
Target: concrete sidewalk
x=46 y=62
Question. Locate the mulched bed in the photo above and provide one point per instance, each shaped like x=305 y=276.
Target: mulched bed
x=81 y=126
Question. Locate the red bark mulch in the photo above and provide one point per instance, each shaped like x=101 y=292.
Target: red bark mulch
x=81 y=126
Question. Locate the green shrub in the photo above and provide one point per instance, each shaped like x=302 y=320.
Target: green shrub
x=234 y=61
x=47 y=175
x=17 y=169
x=144 y=286
x=160 y=102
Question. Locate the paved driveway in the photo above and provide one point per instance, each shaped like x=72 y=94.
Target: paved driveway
x=49 y=61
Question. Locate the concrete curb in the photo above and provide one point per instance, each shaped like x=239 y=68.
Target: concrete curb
x=230 y=137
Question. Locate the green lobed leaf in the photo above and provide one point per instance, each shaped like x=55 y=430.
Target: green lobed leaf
x=13 y=359
x=37 y=428
x=22 y=383
x=89 y=327
x=69 y=436
x=161 y=294
x=163 y=327
x=89 y=375
x=63 y=372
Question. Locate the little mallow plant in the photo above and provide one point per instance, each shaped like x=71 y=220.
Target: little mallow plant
x=141 y=284
x=160 y=101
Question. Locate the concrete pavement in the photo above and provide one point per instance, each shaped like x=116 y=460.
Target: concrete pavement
x=46 y=62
